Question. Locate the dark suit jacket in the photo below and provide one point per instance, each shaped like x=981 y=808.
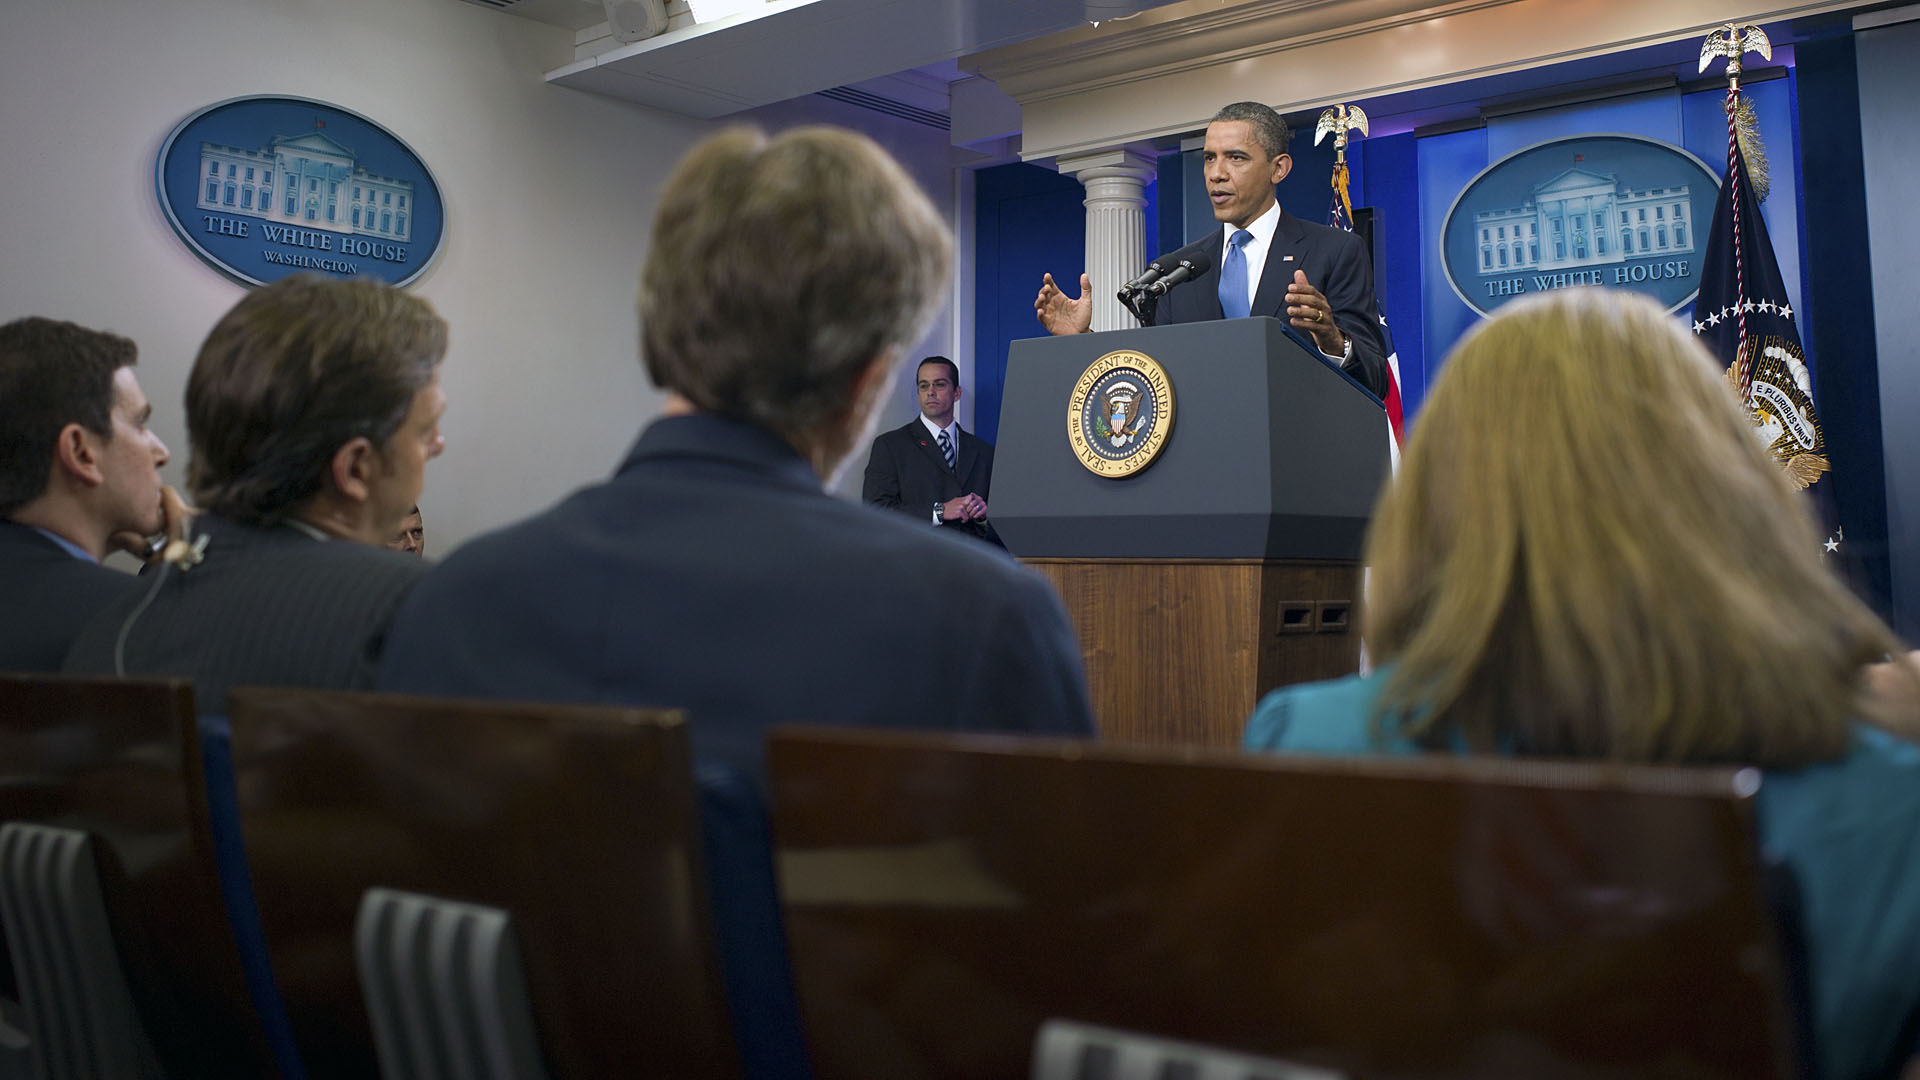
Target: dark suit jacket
x=713 y=573
x=907 y=472
x=1336 y=263
x=47 y=596
x=267 y=607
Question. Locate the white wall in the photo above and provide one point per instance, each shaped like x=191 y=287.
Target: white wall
x=549 y=195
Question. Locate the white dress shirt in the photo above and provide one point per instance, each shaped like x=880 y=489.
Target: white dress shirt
x=953 y=435
x=1256 y=249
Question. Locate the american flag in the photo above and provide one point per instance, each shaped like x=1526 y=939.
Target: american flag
x=1340 y=216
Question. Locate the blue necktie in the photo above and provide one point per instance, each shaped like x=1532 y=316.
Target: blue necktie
x=946 y=450
x=1233 y=277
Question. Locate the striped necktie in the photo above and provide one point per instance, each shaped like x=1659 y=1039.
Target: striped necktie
x=946 y=450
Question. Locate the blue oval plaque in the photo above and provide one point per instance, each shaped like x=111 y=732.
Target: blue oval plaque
x=266 y=186
x=1616 y=210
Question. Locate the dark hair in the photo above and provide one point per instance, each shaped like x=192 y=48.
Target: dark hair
x=293 y=372
x=52 y=374
x=1269 y=130
x=780 y=269
x=951 y=366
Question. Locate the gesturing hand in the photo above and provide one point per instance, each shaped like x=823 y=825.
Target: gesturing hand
x=1309 y=312
x=1063 y=314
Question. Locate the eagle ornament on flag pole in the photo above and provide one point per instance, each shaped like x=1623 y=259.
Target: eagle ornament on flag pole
x=1743 y=314
x=1340 y=121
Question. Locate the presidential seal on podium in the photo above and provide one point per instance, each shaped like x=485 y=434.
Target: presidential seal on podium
x=1120 y=414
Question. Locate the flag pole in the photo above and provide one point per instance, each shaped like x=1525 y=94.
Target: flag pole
x=1734 y=41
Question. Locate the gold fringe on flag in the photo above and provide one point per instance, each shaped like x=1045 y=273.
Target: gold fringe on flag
x=1746 y=130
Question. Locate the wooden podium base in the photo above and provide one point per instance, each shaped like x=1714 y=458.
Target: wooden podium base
x=1179 y=650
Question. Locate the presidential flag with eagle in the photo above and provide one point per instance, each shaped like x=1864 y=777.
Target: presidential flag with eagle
x=1743 y=314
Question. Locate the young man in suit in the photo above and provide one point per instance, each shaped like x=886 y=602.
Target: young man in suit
x=79 y=478
x=1315 y=279
x=312 y=410
x=931 y=469
x=714 y=572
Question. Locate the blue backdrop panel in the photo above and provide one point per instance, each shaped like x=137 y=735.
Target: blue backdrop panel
x=1838 y=329
x=1028 y=221
x=1393 y=191
x=1446 y=164
x=1655 y=115
x=1889 y=133
x=1696 y=122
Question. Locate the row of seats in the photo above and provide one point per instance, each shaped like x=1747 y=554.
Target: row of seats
x=349 y=885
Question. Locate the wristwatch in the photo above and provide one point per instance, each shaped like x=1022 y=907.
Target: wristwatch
x=1347 y=353
x=939 y=512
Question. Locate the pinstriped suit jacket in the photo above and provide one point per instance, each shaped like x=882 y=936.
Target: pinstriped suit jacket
x=267 y=607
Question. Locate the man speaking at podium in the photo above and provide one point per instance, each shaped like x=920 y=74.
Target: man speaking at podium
x=1262 y=258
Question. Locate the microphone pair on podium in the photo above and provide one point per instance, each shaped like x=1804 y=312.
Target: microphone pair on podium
x=1143 y=293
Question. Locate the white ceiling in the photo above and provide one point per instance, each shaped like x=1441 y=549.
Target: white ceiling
x=795 y=47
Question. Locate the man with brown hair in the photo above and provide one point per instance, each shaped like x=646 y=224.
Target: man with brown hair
x=312 y=410
x=714 y=572
x=79 y=478
x=932 y=469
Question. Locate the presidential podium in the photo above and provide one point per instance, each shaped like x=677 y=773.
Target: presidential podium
x=1228 y=563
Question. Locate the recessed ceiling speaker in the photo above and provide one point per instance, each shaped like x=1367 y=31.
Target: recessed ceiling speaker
x=635 y=20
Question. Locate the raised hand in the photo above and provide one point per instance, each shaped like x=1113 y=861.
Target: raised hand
x=1309 y=312
x=1063 y=314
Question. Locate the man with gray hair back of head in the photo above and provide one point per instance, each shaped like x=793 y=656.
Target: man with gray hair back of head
x=786 y=278
x=1263 y=261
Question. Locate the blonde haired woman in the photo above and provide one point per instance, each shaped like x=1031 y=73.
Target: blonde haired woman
x=1589 y=555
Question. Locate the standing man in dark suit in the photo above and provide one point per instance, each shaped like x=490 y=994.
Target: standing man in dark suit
x=931 y=469
x=1263 y=258
x=79 y=478
x=312 y=410
x=714 y=572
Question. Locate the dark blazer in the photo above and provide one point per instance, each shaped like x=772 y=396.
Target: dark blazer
x=267 y=607
x=907 y=472
x=1336 y=263
x=47 y=595
x=714 y=574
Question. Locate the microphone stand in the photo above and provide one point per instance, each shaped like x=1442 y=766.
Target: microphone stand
x=1142 y=302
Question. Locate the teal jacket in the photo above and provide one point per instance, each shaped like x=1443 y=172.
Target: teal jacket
x=1849 y=828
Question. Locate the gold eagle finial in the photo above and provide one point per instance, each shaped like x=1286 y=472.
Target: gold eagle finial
x=1734 y=41
x=1337 y=120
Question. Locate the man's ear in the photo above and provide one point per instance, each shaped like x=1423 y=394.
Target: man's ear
x=1282 y=165
x=75 y=452
x=958 y=391
x=353 y=467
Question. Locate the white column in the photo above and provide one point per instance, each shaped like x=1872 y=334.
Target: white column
x=1116 y=183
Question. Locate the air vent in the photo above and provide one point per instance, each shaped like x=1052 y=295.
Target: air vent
x=875 y=103
x=497 y=5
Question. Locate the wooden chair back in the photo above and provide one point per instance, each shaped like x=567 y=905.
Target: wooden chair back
x=120 y=759
x=580 y=822
x=1422 y=917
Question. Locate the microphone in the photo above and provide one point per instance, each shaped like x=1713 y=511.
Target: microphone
x=1157 y=269
x=1193 y=263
